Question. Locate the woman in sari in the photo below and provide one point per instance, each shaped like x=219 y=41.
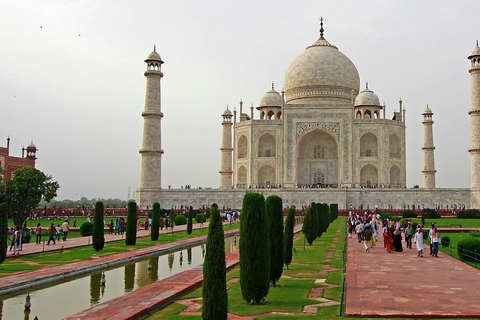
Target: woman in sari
x=387 y=237
x=397 y=240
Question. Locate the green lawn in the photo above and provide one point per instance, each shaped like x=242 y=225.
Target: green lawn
x=452 y=249
x=446 y=222
x=290 y=295
x=32 y=262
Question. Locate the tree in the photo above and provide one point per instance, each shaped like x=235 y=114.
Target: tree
x=334 y=211
x=131 y=232
x=325 y=216
x=254 y=249
x=172 y=219
x=288 y=237
x=274 y=210
x=25 y=190
x=319 y=219
x=98 y=239
x=215 y=297
x=155 y=221
x=3 y=232
x=308 y=228
x=190 y=221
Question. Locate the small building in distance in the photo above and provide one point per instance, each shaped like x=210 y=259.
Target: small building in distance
x=10 y=163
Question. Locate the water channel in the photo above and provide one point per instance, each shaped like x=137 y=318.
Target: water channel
x=67 y=298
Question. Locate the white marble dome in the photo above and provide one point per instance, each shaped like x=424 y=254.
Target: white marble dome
x=271 y=99
x=227 y=112
x=475 y=52
x=367 y=98
x=321 y=71
x=154 y=56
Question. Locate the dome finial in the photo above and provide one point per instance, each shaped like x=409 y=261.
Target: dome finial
x=321 y=27
x=155 y=48
x=367 y=85
x=273 y=86
x=477 y=43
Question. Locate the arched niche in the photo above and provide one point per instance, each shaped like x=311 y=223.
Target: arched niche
x=369 y=176
x=394 y=146
x=368 y=145
x=266 y=176
x=267 y=145
x=395 y=176
x=242 y=147
x=242 y=176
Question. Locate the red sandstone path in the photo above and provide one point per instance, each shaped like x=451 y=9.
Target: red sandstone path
x=398 y=284
x=32 y=247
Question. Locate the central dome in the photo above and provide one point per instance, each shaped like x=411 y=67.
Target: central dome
x=321 y=72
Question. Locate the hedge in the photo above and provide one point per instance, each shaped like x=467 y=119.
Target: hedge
x=466 y=249
x=180 y=220
x=86 y=229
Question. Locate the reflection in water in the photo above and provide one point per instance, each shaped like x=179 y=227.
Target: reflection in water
x=95 y=288
x=69 y=297
x=26 y=315
x=203 y=251
x=129 y=277
x=153 y=269
x=181 y=258
x=170 y=261
x=189 y=256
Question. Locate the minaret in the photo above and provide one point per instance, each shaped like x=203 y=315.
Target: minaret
x=428 y=150
x=151 y=173
x=226 y=165
x=475 y=117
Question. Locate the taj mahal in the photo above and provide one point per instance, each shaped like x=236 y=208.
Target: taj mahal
x=323 y=138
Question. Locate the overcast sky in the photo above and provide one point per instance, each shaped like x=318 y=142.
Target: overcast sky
x=71 y=78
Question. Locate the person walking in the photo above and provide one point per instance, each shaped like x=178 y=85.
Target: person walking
x=122 y=225
x=38 y=232
x=435 y=242
x=17 y=238
x=65 y=229
x=409 y=235
x=51 y=234
x=431 y=239
x=419 y=242
x=359 y=228
x=367 y=236
x=117 y=227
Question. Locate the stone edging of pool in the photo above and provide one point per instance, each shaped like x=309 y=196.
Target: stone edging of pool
x=17 y=284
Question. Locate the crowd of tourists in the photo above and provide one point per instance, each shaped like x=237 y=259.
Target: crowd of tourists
x=367 y=229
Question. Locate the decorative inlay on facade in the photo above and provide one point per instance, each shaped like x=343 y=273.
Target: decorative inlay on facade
x=332 y=127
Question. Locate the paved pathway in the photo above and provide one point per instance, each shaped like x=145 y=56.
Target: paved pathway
x=32 y=247
x=398 y=284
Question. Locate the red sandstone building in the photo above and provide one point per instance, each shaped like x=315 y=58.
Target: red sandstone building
x=9 y=163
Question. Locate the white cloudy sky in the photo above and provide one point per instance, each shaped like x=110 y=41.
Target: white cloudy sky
x=76 y=85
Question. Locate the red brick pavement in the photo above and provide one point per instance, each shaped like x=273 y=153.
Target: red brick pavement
x=399 y=284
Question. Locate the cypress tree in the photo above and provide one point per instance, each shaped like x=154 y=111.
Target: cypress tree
x=3 y=232
x=254 y=249
x=326 y=216
x=275 y=234
x=190 y=221
x=334 y=211
x=288 y=237
x=131 y=232
x=172 y=219
x=98 y=239
x=155 y=222
x=309 y=226
x=214 y=291
x=319 y=219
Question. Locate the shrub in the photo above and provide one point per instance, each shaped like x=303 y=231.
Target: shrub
x=214 y=290
x=190 y=221
x=308 y=228
x=469 y=214
x=26 y=238
x=3 y=232
x=445 y=240
x=425 y=234
x=325 y=212
x=155 y=222
x=288 y=236
x=200 y=218
x=131 y=228
x=274 y=211
x=98 y=239
x=318 y=218
x=86 y=229
x=475 y=233
x=180 y=220
x=409 y=214
x=334 y=211
x=254 y=251
x=466 y=249
x=430 y=214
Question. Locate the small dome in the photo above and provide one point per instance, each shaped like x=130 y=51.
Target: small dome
x=227 y=112
x=427 y=111
x=31 y=145
x=475 y=52
x=154 y=56
x=271 y=99
x=367 y=98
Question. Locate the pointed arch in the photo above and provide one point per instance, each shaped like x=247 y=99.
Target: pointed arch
x=242 y=147
x=394 y=146
x=242 y=176
x=267 y=145
x=369 y=176
x=368 y=145
x=266 y=176
x=395 y=176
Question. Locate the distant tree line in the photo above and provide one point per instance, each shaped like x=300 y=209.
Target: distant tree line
x=117 y=203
